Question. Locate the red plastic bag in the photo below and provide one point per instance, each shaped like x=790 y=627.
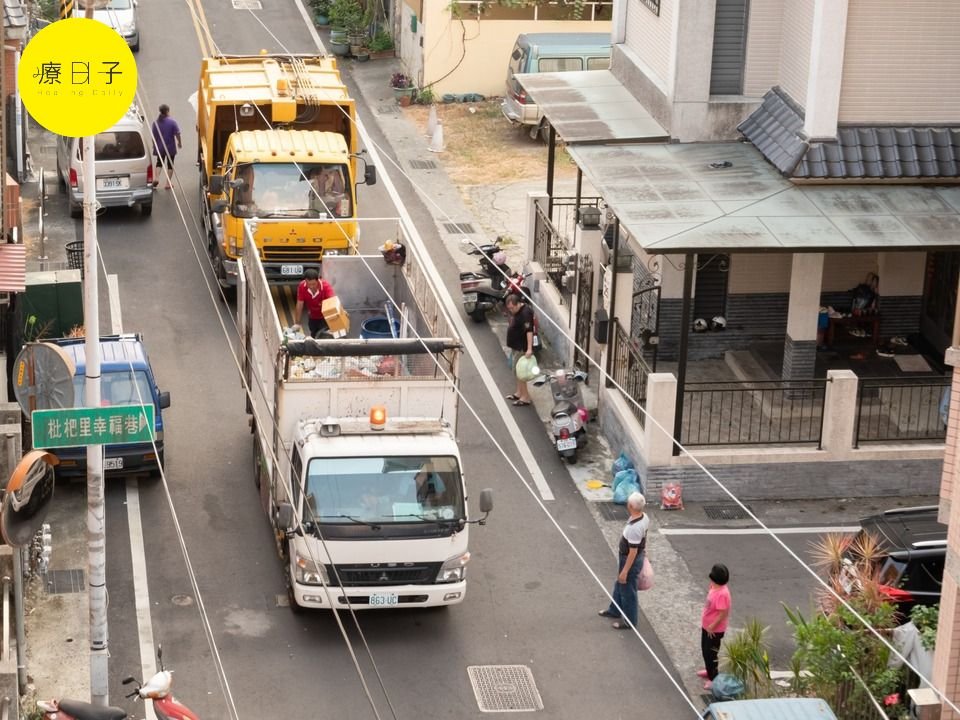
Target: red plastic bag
x=671 y=496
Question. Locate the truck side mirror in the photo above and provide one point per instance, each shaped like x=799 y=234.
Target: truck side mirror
x=219 y=206
x=370 y=175
x=285 y=517
x=164 y=400
x=486 y=500
x=216 y=185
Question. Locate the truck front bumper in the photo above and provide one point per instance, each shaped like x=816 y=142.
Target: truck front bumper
x=287 y=272
x=380 y=597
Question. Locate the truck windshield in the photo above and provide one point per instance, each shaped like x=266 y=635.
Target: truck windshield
x=298 y=190
x=117 y=387
x=383 y=490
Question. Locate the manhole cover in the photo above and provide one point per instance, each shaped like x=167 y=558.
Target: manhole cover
x=725 y=512
x=504 y=688
x=387 y=109
x=612 y=511
x=246 y=4
x=182 y=600
x=65 y=581
x=425 y=165
x=459 y=228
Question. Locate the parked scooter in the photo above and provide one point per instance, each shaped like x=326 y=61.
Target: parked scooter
x=485 y=290
x=569 y=415
x=157 y=689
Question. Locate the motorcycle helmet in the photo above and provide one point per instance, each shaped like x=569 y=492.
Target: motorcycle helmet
x=499 y=258
x=718 y=323
x=394 y=253
x=699 y=325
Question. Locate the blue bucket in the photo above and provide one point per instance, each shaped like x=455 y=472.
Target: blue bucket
x=378 y=328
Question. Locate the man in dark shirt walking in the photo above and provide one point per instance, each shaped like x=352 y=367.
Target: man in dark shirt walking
x=166 y=142
x=520 y=341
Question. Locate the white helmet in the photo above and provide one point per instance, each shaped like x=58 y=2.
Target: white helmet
x=500 y=258
x=699 y=325
x=719 y=322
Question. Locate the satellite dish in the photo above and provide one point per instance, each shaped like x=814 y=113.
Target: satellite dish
x=27 y=498
x=43 y=378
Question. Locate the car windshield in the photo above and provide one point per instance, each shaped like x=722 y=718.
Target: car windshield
x=116 y=388
x=383 y=490
x=313 y=190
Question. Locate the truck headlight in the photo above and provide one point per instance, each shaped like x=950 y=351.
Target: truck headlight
x=127 y=29
x=333 y=252
x=454 y=569
x=308 y=572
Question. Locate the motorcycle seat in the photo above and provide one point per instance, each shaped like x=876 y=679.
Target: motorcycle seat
x=471 y=275
x=489 y=249
x=88 y=711
x=564 y=407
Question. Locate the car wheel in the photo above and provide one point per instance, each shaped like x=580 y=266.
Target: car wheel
x=135 y=48
x=146 y=209
x=61 y=183
x=478 y=316
x=76 y=211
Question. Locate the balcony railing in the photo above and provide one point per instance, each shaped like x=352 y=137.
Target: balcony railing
x=629 y=370
x=557 y=10
x=892 y=409
x=771 y=412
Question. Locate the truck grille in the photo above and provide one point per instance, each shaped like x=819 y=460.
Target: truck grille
x=291 y=254
x=367 y=575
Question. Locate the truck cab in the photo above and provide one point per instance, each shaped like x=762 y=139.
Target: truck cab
x=402 y=488
x=126 y=379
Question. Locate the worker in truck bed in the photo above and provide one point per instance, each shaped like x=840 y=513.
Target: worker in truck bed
x=311 y=292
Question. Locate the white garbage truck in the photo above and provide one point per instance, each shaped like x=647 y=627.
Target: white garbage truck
x=355 y=447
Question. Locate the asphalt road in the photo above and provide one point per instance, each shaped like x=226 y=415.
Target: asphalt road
x=530 y=602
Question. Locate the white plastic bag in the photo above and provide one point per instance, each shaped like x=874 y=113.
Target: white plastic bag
x=645 y=578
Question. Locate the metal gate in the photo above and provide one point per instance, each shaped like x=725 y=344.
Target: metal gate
x=584 y=313
x=645 y=316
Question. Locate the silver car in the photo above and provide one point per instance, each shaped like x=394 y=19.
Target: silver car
x=121 y=15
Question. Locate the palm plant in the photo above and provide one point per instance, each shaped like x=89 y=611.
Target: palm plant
x=747 y=656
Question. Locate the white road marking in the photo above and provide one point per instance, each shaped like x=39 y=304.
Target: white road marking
x=116 y=319
x=818 y=530
x=141 y=596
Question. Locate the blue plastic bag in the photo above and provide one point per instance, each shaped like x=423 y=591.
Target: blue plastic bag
x=621 y=463
x=628 y=475
x=624 y=490
x=727 y=687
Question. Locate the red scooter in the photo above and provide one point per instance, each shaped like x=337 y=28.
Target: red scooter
x=165 y=706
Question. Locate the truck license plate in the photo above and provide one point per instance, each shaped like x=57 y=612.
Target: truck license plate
x=566 y=444
x=291 y=270
x=383 y=599
x=113 y=463
x=469 y=298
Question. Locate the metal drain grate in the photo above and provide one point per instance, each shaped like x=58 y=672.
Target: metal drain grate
x=612 y=511
x=725 y=512
x=459 y=228
x=424 y=165
x=65 y=581
x=246 y=4
x=504 y=688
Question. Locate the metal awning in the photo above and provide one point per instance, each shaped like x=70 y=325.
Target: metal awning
x=13 y=268
x=591 y=106
x=725 y=197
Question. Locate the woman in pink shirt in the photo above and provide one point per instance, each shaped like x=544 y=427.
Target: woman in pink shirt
x=713 y=622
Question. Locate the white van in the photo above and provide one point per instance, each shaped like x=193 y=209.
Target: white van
x=124 y=166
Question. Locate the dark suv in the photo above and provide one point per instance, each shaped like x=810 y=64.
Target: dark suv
x=915 y=543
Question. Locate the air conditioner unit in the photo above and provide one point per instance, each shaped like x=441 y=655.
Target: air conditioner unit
x=924 y=704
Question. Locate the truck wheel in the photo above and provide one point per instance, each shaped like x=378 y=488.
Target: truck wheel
x=478 y=316
x=295 y=608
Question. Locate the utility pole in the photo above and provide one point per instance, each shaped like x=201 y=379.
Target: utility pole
x=96 y=516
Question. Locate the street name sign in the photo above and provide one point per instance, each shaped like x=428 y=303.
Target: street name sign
x=114 y=425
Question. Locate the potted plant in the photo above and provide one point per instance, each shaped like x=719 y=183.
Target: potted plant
x=403 y=89
x=381 y=45
x=321 y=11
x=362 y=54
x=345 y=17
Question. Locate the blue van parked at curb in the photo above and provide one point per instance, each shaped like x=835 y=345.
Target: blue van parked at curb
x=126 y=378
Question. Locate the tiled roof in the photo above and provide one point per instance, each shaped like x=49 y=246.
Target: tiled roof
x=13 y=14
x=859 y=152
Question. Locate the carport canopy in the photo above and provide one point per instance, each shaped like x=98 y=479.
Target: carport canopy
x=591 y=106
x=725 y=197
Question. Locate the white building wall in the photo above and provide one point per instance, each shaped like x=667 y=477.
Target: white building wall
x=650 y=37
x=795 y=48
x=764 y=39
x=902 y=62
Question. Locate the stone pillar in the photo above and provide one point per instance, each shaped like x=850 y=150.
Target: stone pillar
x=827 y=43
x=839 y=411
x=800 y=345
x=662 y=406
x=946 y=658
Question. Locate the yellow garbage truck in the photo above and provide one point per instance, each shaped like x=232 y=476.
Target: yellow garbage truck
x=278 y=147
